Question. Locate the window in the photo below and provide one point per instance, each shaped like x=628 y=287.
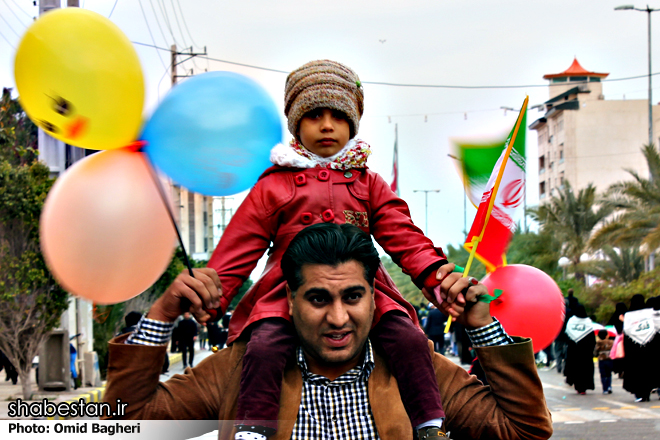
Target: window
x=559 y=80
x=577 y=78
x=541 y=163
x=542 y=188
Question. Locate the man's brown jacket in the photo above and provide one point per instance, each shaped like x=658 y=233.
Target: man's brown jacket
x=512 y=407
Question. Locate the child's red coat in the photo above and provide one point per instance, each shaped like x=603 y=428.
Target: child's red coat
x=285 y=201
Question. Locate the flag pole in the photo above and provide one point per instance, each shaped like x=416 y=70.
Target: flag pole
x=491 y=203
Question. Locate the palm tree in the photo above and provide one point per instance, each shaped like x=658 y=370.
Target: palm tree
x=541 y=250
x=571 y=220
x=637 y=206
x=620 y=266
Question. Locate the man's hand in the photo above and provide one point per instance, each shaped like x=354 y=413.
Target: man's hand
x=458 y=297
x=188 y=294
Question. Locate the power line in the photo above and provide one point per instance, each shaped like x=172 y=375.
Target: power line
x=31 y=17
x=5 y=38
x=176 y=17
x=12 y=11
x=439 y=86
x=494 y=87
x=150 y=34
x=8 y=25
x=113 y=8
x=150 y=45
x=167 y=21
x=183 y=18
x=158 y=21
x=244 y=65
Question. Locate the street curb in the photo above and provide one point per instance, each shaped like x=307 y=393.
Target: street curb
x=94 y=395
x=174 y=357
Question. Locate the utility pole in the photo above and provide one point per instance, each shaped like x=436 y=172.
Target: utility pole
x=189 y=219
x=426 y=206
x=174 y=63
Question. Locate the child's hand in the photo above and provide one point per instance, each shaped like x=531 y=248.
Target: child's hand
x=458 y=296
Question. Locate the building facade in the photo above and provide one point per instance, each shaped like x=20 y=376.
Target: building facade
x=583 y=138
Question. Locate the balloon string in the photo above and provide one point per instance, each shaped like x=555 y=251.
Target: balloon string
x=163 y=197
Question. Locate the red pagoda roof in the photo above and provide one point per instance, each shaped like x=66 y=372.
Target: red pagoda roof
x=575 y=70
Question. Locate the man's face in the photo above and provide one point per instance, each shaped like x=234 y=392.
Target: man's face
x=332 y=311
x=186 y=315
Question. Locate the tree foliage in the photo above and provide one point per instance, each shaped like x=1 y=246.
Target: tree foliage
x=108 y=320
x=539 y=249
x=403 y=282
x=31 y=301
x=571 y=219
x=602 y=298
x=636 y=204
x=620 y=265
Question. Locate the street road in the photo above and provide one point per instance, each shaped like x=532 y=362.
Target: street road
x=596 y=415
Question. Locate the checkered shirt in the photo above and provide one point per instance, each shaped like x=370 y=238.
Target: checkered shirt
x=489 y=335
x=337 y=409
x=151 y=332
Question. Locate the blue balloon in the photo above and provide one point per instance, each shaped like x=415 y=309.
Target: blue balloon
x=213 y=133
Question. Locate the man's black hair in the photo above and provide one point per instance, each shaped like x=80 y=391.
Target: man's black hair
x=602 y=333
x=329 y=244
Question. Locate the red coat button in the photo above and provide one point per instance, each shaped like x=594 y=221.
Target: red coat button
x=306 y=218
x=324 y=175
x=328 y=215
x=300 y=179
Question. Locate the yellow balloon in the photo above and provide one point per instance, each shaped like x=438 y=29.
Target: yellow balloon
x=79 y=79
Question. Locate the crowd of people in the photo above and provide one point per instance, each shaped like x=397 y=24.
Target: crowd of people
x=629 y=346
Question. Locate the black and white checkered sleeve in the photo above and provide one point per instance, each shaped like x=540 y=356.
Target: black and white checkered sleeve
x=151 y=332
x=489 y=335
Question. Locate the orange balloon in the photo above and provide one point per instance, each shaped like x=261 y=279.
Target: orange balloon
x=105 y=232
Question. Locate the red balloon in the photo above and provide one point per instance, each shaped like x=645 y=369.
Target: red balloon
x=531 y=304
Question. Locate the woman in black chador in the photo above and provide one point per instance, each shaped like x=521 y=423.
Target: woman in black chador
x=579 y=370
x=638 y=376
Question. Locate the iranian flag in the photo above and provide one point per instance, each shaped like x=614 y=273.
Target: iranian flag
x=476 y=159
x=503 y=193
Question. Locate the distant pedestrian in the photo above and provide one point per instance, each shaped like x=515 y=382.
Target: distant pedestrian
x=605 y=363
x=187 y=336
x=562 y=340
x=435 y=329
x=203 y=336
x=10 y=371
x=617 y=321
x=654 y=303
x=579 y=370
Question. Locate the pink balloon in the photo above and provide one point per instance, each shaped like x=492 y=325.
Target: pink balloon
x=531 y=304
x=105 y=232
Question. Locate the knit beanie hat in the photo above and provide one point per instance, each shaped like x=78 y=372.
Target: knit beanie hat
x=323 y=83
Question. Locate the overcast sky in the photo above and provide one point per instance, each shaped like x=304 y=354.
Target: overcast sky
x=452 y=43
